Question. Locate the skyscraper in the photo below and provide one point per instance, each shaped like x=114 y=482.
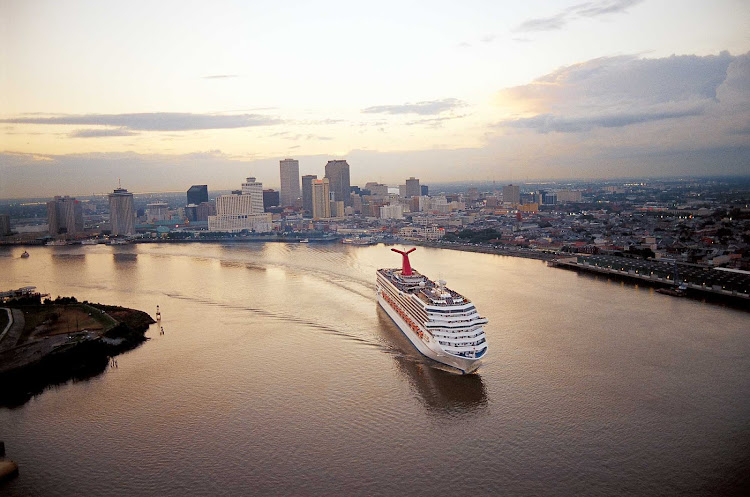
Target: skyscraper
x=307 y=192
x=4 y=224
x=412 y=187
x=64 y=214
x=121 y=212
x=197 y=194
x=321 y=208
x=255 y=190
x=512 y=194
x=289 y=173
x=337 y=172
x=270 y=199
x=242 y=210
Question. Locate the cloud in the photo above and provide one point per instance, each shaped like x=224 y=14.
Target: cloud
x=435 y=122
x=432 y=107
x=221 y=76
x=546 y=123
x=97 y=133
x=154 y=121
x=587 y=9
x=614 y=92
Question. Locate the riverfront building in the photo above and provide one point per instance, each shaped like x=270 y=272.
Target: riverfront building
x=121 y=212
x=307 y=192
x=242 y=210
x=337 y=172
x=289 y=175
x=4 y=224
x=321 y=204
x=64 y=215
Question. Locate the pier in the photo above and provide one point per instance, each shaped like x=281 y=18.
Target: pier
x=699 y=280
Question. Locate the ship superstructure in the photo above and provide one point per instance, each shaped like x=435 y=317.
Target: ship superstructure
x=441 y=323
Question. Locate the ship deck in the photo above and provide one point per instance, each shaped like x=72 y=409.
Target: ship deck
x=429 y=293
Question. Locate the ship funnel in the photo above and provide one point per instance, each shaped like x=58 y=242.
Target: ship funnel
x=405 y=265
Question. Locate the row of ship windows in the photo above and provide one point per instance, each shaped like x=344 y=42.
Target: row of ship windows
x=463 y=344
x=451 y=337
x=451 y=311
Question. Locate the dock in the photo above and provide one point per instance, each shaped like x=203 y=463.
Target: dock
x=698 y=280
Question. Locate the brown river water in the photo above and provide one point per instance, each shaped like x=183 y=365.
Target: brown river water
x=278 y=374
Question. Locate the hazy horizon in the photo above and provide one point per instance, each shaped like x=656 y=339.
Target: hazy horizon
x=170 y=94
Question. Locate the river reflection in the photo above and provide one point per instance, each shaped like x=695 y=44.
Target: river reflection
x=279 y=374
x=441 y=392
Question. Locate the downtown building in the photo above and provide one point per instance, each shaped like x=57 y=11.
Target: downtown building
x=197 y=194
x=307 y=192
x=241 y=210
x=337 y=172
x=412 y=187
x=64 y=215
x=121 y=212
x=321 y=199
x=289 y=175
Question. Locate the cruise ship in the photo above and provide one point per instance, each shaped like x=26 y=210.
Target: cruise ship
x=441 y=323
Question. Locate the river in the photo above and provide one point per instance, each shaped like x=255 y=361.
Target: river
x=277 y=374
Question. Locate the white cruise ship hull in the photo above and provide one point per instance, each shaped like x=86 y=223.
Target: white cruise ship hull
x=463 y=364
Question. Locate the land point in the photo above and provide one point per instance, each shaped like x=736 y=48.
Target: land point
x=45 y=342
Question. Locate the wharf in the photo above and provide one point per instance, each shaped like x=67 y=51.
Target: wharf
x=699 y=280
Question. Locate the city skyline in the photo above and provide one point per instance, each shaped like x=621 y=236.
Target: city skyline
x=547 y=90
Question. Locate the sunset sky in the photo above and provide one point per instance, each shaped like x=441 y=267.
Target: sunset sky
x=167 y=94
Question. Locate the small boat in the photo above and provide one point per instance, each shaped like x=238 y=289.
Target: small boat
x=25 y=255
x=305 y=240
x=90 y=241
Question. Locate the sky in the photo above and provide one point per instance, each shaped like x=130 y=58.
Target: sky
x=163 y=95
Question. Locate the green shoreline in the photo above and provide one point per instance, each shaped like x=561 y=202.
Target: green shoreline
x=31 y=366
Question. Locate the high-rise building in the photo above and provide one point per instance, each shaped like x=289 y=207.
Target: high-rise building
x=512 y=194
x=337 y=172
x=321 y=203
x=4 y=224
x=121 y=212
x=307 y=198
x=197 y=194
x=289 y=173
x=241 y=211
x=157 y=211
x=425 y=190
x=64 y=215
x=255 y=190
x=412 y=187
x=270 y=199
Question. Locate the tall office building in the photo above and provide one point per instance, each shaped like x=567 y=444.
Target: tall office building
x=255 y=190
x=307 y=198
x=270 y=199
x=337 y=172
x=4 y=224
x=157 y=211
x=197 y=194
x=241 y=210
x=425 y=190
x=512 y=194
x=321 y=204
x=412 y=187
x=64 y=214
x=289 y=173
x=121 y=212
